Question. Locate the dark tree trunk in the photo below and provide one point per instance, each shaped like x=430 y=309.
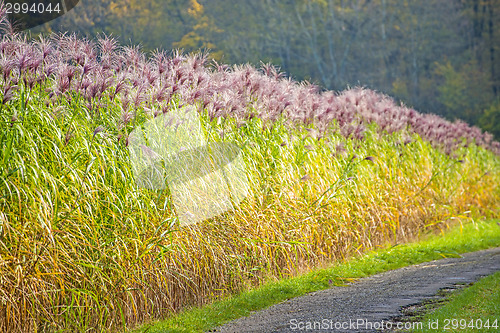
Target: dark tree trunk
x=491 y=30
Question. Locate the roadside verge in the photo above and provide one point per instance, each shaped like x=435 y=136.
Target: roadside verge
x=468 y=237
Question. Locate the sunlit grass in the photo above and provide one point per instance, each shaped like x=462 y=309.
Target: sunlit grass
x=470 y=237
x=82 y=248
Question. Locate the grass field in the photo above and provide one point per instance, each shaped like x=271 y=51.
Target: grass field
x=460 y=239
x=331 y=175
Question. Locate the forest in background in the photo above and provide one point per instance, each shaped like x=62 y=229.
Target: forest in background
x=437 y=56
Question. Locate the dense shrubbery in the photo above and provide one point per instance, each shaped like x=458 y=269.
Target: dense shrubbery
x=82 y=248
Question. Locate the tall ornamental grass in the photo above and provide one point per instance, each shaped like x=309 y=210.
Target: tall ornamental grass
x=83 y=249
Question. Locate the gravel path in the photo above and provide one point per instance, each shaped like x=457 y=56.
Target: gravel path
x=369 y=301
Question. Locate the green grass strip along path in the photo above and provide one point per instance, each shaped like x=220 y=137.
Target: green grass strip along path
x=475 y=309
x=464 y=238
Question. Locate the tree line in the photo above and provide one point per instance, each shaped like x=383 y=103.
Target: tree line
x=436 y=56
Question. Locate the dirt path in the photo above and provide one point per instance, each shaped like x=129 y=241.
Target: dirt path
x=369 y=303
